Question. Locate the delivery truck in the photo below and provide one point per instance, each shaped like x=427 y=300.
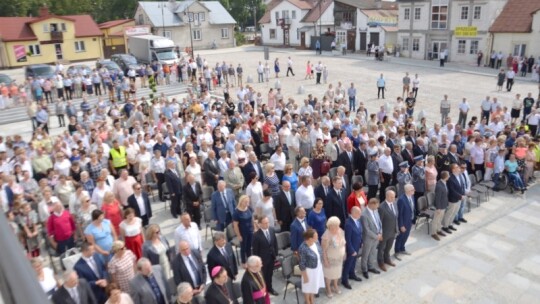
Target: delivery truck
x=150 y=48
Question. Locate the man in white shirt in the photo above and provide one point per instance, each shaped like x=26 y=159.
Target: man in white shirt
x=510 y=79
x=188 y=231
x=486 y=108
x=305 y=195
x=386 y=167
x=289 y=67
x=293 y=144
x=260 y=72
x=463 y=111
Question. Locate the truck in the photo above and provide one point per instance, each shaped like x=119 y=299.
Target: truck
x=150 y=48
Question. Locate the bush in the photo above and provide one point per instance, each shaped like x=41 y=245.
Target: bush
x=240 y=38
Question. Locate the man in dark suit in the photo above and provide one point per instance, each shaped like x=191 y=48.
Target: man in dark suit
x=397 y=159
x=419 y=148
x=192 y=193
x=253 y=165
x=345 y=181
x=346 y=159
x=188 y=266
x=211 y=170
x=265 y=246
x=362 y=158
x=441 y=203
x=223 y=204
x=322 y=190
x=298 y=227
x=150 y=285
x=406 y=213
x=353 y=238
x=140 y=202
x=284 y=204
x=174 y=185
x=456 y=191
x=388 y=213
x=222 y=254
x=408 y=154
x=91 y=268
x=73 y=291
x=336 y=202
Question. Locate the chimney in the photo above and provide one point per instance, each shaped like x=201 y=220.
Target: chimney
x=43 y=11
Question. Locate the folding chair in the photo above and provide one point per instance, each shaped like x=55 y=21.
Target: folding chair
x=424 y=212
x=287 y=269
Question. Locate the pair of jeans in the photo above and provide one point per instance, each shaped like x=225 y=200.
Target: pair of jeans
x=516 y=180
x=352 y=103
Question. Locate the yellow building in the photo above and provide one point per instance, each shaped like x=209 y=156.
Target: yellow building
x=114 y=36
x=48 y=39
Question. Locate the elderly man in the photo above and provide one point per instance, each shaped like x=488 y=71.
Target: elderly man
x=188 y=266
x=223 y=205
x=189 y=232
x=174 y=185
x=123 y=187
x=211 y=170
x=234 y=178
x=184 y=293
x=150 y=285
x=305 y=195
x=74 y=290
x=61 y=229
x=406 y=217
x=388 y=212
x=371 y=236
x=353 y=237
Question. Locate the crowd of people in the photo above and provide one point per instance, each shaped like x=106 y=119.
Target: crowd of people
x=344 y=183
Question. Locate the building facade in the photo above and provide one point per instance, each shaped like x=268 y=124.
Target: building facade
x=114 y=38
x=517 y=29
x=362 y=23
x=203 y=24
x=296 y=22
x=48 y=39
x=460 y=28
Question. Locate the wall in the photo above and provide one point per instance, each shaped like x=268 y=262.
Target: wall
x=294 y=39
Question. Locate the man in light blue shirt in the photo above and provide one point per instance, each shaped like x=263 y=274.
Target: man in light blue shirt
x=381 y=83
x=352 y=97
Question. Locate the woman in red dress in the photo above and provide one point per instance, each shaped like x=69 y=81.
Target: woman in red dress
x=357 y=197
x=111 y=209
x=131 y=230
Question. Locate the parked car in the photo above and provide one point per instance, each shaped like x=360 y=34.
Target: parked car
x=109 y=65
x=39 y=70
x=5 y=79
x=125 y=62
x=78 y=69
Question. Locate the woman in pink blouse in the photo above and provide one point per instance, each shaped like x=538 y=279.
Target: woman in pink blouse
x=431 y=174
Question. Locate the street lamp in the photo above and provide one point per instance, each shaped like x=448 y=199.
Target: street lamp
x=190 y=31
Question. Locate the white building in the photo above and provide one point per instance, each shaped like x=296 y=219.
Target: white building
x=209 y=22
x=368 y=22
x=459 y=27
x=517 y=29
x=295 y=22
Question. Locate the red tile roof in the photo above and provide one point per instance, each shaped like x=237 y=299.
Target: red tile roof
x=113 y=23
x=516 y=17
x=266 y=18
x=18 y=28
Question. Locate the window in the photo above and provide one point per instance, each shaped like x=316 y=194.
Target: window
x=519 y=49
x=461 y=46
x=272 y=34
x=285 y=14
x=197 y=35
x=34 y=50
x=416 y=44
x=407 y=14
x=79 y=46
x=141 y=19
x=417 y=12
x=348 y=17
x=53 y=27
x=293 y=14
x=439 y=14
x=464 y=12
x=405 y=44
x=201 y=17
x=190 y=16
x=341 y=37
x=63 y=27
x=474 y=47
x=297 y=34
x=45 y=28
x=224 y=33
x=477 y=12
x=167 y=34
x=277 y=17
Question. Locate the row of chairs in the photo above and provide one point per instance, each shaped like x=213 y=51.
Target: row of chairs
x=479 y=188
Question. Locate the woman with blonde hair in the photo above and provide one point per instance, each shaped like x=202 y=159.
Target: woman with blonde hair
x=112 y=210
x=156 y=248
x=431 y=174
x=243 y=227
x=123 y=265
x=271 y=180
x=333 y=246
x=305 y=168
x=290 y=176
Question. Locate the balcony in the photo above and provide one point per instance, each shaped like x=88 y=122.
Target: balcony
x=57 y=36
